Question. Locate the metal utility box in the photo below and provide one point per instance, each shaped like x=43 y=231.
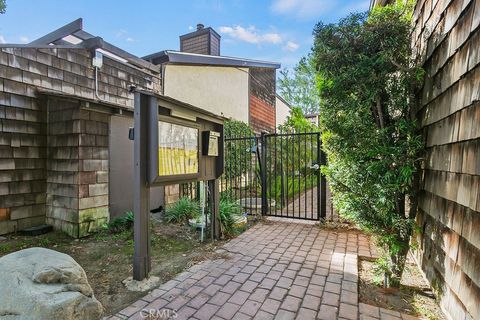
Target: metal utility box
x=211 y=143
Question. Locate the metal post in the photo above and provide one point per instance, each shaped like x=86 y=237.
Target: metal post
x=323 y=181
x=141 y=258
x=320 y=212
x=263 y=172
x=214 y=192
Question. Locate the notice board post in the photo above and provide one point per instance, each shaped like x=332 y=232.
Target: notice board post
x=174 y=143
x=141 y=192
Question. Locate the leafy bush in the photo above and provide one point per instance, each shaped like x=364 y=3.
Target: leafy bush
x=122 y=223
x=368 y=82
x=237 y=155
x=298 y=86
x=230 y=210
x=182 y=210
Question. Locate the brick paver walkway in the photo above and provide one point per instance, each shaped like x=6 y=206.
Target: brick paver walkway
x=274 y=271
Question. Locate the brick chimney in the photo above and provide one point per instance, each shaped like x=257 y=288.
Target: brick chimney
x=202 y=41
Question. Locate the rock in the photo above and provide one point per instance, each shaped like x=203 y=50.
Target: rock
x=39 y=283
x=144 y=285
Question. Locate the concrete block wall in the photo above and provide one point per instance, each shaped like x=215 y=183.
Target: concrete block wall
x=447 y=38
x=54 y=152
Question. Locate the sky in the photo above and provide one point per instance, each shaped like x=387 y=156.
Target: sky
x=271 y=30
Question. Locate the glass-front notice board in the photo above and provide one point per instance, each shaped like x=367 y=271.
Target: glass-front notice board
x=177 y=149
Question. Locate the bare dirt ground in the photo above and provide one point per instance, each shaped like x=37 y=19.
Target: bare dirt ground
x=107 y=257
x=414 y=297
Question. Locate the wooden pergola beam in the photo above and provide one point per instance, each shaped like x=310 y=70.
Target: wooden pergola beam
x=60 y=33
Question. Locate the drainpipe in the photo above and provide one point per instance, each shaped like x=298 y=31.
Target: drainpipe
x=97 y=63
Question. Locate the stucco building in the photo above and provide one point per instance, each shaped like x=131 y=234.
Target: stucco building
x=237 y=88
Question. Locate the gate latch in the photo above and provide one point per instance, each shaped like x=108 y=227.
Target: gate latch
x=315 y=166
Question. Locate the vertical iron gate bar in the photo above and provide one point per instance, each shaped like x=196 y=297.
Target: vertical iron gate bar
x=239 y=147
x=245 y=158
x=282 y=182
x=319 y=161
x=269 y=171
x=275 y=172
x=254 y=169
x=251 y=168
x=311 y=175
x=229 y=178
x=263 y=171
x=287 y=174
x=237 y=167
x=305 y=174
x=271 y=174
x=323 y=203
x=257 y=155
x=299 y=142
x=293 y=174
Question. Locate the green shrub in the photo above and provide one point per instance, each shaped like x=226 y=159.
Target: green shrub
x=122 y=223
x=238 y=157
x=230 y=210
x=368 y=81
x=182 y=210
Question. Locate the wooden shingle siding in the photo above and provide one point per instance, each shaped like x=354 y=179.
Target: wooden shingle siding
x=447 y=40
x=54 y=153
x=262 y=96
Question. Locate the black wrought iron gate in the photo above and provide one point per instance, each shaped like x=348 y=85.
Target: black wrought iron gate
x=276 y=175
x=290 y=166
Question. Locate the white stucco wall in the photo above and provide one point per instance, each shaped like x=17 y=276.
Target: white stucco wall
x=282 y=111
x=221 y=90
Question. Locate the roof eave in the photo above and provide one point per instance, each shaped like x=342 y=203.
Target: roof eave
x=195 y=59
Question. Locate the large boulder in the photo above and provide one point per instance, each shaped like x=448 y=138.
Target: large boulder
x=39 y=283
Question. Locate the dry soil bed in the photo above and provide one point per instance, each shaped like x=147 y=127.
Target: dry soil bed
x=414 y=296
x=107 y=257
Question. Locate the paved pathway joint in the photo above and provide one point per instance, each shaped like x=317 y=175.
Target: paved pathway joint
x=273 y=271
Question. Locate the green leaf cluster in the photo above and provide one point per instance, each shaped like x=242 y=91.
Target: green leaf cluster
x=238 y=155
x=368 y=80
x=230 y=211
x=298 y=86
x=182 y=210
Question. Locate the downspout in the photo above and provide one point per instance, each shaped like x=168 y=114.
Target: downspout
x=97 y=63
x=163 y=68
x=96 y=84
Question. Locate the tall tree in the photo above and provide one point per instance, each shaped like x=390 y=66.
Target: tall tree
x=3 y=6
x=298 y=88
x=368 y=82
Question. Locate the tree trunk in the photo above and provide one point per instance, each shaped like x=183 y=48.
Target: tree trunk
x=398 y=264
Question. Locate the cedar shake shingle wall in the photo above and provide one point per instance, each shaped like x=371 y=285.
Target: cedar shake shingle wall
x=54 y=151
x=262 y=115
x=447 y=38
x=262 y=99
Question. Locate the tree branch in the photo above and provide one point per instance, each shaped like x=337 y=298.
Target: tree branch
x=381 y=116
x=399 y=66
